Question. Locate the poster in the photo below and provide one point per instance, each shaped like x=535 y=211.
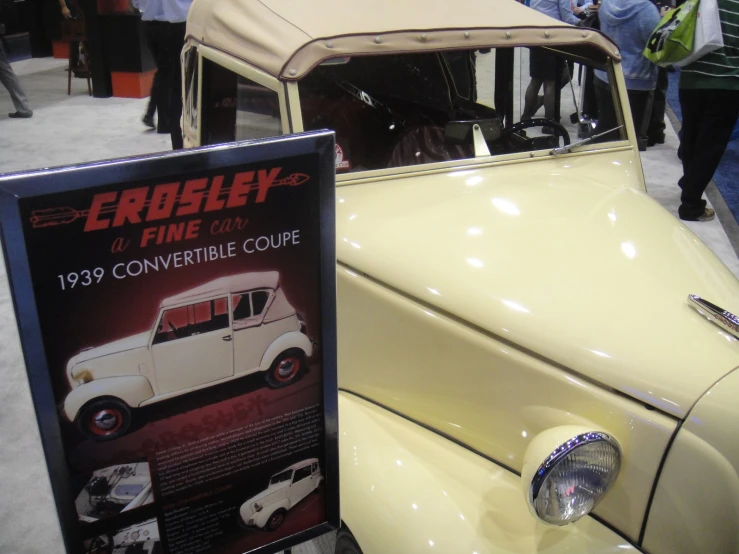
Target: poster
x=177 y=318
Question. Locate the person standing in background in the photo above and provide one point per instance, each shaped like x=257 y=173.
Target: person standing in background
x=543 y=66
x=709 y=99
x=10 y=81
x=656 y=128
x=164 y=22
x=629 y=23
x=162 y=125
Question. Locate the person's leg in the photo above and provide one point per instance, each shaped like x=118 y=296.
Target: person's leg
x=709 y=117
x=550 y=99
x=151 y=107
x=177 y=39
x=10 y=81
x=656 y=129
x=640 y=102
x=531 y=99
x=159 y=92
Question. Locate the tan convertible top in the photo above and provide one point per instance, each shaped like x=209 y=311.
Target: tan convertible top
x=286 y=38
x=225 y=285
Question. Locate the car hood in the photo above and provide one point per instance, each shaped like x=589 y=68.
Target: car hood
x=269 y=490
x=559 y=257
x=117 y=346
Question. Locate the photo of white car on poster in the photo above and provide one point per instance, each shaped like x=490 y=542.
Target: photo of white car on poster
x=140 y=538
x=268 y=509
x=113 y=490
x=222 y=330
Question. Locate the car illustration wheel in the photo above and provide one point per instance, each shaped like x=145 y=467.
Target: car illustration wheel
x=287 y=368
x=105 y=419
x=276 y=519
x=346 y=543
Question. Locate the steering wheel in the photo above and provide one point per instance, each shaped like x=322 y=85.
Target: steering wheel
x=537 y=122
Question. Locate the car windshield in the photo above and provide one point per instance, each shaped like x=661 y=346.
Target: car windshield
x=408 y=109
x=280 y=477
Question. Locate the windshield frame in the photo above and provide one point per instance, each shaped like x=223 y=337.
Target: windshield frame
x=291 y=114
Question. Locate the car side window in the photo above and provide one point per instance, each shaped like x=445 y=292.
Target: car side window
x=242 y=306
x=250 y=305
x=236 y=108
x=301 y=474
x=193 y=319
x=259 y=300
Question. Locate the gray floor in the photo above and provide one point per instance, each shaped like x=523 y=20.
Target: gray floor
x=70 y=129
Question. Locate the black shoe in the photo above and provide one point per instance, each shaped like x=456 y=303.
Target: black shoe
x=547 y=130
x=20 y=115
x=149 y=121
x=657 y=139
x=707 y=215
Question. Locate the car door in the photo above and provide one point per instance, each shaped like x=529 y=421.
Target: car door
x=193 y=346
x=315 y=474
x=302 y=484
x=251 y=336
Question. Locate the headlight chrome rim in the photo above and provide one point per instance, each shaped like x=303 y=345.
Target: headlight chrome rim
x=562 y=453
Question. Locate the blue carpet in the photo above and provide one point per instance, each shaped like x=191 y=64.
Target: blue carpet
x=726 y=174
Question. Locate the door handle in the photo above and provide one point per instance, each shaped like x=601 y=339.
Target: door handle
x=227 y=338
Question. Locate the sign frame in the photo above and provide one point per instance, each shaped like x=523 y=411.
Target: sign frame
x=16 y=187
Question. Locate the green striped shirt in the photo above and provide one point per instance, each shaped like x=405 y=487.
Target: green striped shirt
x=718 y=69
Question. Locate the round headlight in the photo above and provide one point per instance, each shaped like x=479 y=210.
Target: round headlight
x=574 y=477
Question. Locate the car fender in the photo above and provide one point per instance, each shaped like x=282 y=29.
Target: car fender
x=292 y=339
x=447 y=496
x=132 y=389
x=261 y=518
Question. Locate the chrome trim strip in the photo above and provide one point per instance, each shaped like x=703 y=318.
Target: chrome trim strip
x=715 y=314
x=561 y=453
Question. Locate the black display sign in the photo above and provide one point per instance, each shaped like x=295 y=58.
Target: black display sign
x=177 y=315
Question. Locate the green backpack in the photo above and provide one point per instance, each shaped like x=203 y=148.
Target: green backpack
x=672 y=40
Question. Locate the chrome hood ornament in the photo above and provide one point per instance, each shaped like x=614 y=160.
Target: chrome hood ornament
x=726 y=320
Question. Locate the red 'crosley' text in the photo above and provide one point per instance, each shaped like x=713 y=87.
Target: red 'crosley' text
x=153 y=203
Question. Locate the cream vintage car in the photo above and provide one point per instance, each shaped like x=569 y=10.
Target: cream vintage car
x=268 y=509
x=521 y=368
x=222 y=330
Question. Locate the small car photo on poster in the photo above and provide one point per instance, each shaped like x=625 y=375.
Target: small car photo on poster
x=140 y=538
x=268 y=509
x=114 y=490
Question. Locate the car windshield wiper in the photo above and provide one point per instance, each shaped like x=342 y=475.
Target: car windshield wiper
x=571 y=147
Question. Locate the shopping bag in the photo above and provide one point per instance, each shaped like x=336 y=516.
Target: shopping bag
x=708 y=36
x=673 y=38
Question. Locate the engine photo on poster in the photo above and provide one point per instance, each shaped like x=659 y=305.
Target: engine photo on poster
x=186 y=316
